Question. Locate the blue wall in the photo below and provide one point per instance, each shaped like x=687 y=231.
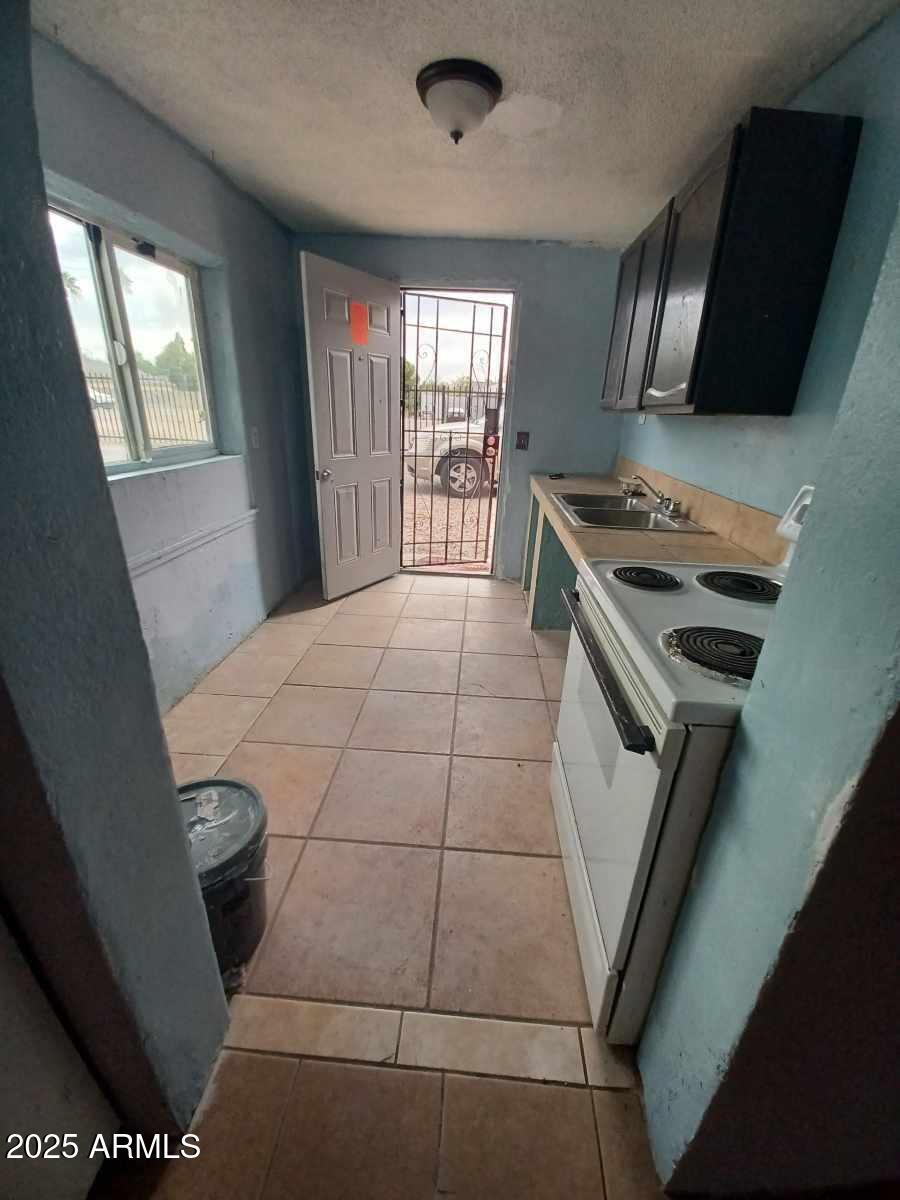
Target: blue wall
x=564 y=305
x=109 y=906
x=825 y=686
x=763 y=460
x=105 y=155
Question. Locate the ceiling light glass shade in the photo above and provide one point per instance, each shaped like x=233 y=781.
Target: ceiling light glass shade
x=458 y=94
x=457 y=106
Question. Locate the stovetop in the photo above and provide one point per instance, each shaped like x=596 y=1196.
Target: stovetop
x=693 y=644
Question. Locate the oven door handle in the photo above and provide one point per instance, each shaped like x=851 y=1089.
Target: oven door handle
x=634 y=737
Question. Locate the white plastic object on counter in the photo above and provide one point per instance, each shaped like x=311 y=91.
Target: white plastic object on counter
x=791 y=524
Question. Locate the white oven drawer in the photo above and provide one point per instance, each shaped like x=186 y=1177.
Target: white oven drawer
x=617 y=778
x=600 y=982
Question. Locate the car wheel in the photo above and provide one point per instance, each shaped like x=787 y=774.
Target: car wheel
x=461 y=474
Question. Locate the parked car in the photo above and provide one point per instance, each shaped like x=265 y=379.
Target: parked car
x=100 y=391
x=453 y=453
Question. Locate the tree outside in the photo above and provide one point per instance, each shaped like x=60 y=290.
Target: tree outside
x=410 y=377
x=145 y=365
x=410 y=383
x=177 y=364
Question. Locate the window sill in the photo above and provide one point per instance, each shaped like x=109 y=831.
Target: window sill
x=159 y=468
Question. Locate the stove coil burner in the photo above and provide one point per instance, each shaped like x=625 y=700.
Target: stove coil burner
x=741 y=585
x=649 y=578
x=722 y=653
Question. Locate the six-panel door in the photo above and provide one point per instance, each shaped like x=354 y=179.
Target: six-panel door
x=353 y=350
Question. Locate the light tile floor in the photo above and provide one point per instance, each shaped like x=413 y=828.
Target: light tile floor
x=414 y=1022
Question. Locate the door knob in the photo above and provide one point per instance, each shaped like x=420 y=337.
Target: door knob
x=326 y=474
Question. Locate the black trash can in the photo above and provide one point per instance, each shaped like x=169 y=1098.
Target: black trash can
x=225 y=821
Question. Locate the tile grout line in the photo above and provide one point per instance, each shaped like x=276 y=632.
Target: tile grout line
x=440 y=879
x=375 y=672
x=282 y=1117
x=596 y=1126
x=346 y=687
x=469 y=1073
x=264 y=1183
x=360 y=617
x=454 y=849
x=241 y=695
x=440 y=1137
x=401 y=616
x=310 y=834
x=386 y=691
x=394 y=1059
x=375 y=688
x=270 y=920
x=429 y=845
x=318 y=630
x=583 y=1058
x=386 y=1006
x=243 y=736
x=270 y=925
x=399 y=1037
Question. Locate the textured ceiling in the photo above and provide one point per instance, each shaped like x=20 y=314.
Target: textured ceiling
x=312 y=106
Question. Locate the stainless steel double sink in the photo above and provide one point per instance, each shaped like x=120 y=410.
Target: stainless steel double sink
x=586 y=510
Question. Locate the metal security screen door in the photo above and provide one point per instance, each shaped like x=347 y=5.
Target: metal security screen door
x=454 y=379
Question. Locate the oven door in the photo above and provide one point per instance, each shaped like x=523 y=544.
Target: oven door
x=618 y=757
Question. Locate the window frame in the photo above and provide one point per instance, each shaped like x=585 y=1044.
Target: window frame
x=103 y=240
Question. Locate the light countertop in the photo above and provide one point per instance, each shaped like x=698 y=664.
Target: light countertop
x=638 y=544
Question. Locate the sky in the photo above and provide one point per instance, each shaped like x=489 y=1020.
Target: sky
x=157 y=307
x=156 y=299
x=454 y=349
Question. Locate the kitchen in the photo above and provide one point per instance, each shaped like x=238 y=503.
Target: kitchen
x=716 y=306
x=693 y=619
x=678 y=615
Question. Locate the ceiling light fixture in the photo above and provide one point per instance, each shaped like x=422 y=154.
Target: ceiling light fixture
x=459 y=94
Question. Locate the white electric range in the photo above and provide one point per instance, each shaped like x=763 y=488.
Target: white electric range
x=659 y=664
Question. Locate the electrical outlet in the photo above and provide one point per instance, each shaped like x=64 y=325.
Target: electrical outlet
x=254 y=436
x=522 y=438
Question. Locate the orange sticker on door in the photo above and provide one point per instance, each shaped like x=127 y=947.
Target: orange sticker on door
x=359 y=323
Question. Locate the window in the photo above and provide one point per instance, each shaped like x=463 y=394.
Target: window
x=134 y=311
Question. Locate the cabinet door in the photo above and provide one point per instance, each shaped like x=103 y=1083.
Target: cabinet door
x=645 y=305
x=621 y=330
x=692 y=245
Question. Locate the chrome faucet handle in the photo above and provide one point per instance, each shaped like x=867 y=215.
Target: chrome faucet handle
x=657 y=496
x=630 y=487
x=671 y=506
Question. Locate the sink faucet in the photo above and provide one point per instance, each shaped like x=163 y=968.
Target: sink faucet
x=667 y=503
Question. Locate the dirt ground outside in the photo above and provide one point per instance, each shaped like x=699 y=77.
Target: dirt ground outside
x=443 y=530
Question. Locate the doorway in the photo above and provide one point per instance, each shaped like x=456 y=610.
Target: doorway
x=455 y=379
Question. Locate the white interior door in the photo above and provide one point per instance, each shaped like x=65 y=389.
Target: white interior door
x=354 y=360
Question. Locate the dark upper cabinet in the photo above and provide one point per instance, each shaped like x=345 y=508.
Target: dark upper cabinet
x=629 y=265
x=653 y=243
x=747 y=254
x=692 y=240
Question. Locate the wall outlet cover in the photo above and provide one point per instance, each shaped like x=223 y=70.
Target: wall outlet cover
x=522 y=438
